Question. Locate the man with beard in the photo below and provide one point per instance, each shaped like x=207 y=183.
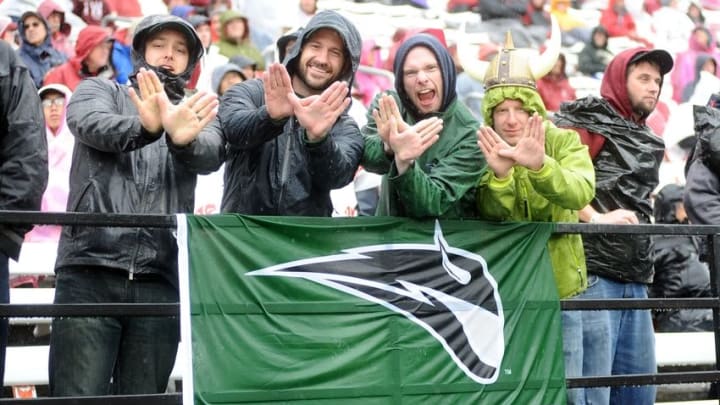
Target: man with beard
x=421 y=138
x=626 y=155
x=289 y=137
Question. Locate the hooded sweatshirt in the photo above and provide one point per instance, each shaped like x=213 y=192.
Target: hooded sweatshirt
x=71 y=72
x=626 y=169
x=594 y=58
x=565 y=184
x=230 y=48
x=271 y=169
x=442 y=180
x=41 y=58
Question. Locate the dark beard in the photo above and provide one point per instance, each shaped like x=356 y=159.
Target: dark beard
x=641 y=111
x=319 y=89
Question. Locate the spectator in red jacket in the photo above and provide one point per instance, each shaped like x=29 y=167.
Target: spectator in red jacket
x=92 y=58
x=554 y=88
x=618 y=22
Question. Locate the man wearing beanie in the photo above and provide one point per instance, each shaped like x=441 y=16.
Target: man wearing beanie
x=421 y=138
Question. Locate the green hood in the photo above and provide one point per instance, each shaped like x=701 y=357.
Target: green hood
x=529 y=97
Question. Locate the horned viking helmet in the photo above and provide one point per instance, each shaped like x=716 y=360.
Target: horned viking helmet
x=512 y=66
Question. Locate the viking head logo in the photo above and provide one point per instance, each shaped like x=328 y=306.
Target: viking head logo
x=447 y=291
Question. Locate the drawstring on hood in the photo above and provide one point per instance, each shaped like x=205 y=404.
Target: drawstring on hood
x=174 y=84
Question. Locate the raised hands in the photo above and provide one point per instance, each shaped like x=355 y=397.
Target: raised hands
x=183 y=122
x=387 y=108
x=318 y=113
x=529 y=151
x=413 y=141
x=491 y=144
x=150 y=88
x=278 y=87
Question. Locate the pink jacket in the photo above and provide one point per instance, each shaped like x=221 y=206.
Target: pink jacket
x=60 y=150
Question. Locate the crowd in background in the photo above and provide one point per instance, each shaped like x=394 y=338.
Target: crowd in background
x=65 y=42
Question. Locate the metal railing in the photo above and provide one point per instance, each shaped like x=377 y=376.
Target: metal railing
x=711 y=232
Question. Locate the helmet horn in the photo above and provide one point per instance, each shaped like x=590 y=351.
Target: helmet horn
x=548 y=58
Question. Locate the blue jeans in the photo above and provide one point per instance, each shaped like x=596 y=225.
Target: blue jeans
x=137 y=353
x=573 y=352
x=617 y=342
x=4 y=299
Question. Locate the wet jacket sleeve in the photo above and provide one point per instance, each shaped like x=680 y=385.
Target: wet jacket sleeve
x=374 y=158
x=206 y=153
x=334 y=161
x=101 y=116
x=432 y=194
x=567 y=178
x=244 y=118
x=23 y=148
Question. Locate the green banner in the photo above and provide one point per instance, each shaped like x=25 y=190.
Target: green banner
x=369 y=311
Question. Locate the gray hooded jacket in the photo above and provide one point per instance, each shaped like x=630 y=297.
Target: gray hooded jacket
x=119 y=167
x=271 y=169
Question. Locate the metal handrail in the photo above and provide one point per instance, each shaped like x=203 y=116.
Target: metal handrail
x=172 y=309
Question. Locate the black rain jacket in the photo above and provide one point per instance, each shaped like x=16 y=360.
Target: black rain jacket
x=271 y=169
x=23 y=147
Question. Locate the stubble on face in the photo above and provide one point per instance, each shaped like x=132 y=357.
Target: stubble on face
x=321 y=61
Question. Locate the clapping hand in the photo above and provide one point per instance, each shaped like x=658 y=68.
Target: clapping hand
x=150 y=88
x=183 y=122
x=529 y=151
x=387 y=108
x=277 y=86
x=318 y=113
x=412 y=142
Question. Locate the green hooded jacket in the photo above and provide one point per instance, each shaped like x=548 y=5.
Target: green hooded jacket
x=441 y=182
x=229 y=48
x=555 y=193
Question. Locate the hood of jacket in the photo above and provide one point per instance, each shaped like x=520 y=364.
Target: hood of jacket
x=601 y=30
x=530 y=98
x=47 y=42
x=348 y=32
x=219 y=72
x=228 y=16
x=664 y=205
x=447 y=67
x=707 y=46
x=47 y=7
x=90 y=37
x=149 y=26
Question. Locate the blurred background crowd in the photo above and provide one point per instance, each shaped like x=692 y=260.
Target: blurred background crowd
x=64 y=41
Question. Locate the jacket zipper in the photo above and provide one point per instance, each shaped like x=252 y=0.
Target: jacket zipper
x=285 y=165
